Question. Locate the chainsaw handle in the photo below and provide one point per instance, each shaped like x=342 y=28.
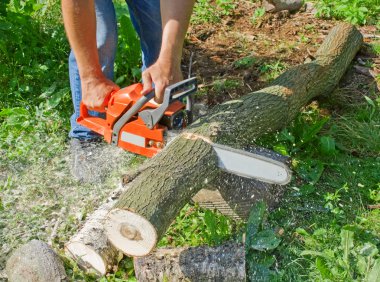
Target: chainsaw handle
x=102 y=109
x=188 y=87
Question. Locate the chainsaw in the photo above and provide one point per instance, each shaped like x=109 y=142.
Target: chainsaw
x=137 y=124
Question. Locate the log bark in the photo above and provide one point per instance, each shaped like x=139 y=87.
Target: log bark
x=222 y=263
x=35 y=261
x=188 y=163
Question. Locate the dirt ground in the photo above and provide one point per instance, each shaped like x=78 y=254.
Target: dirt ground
x=50 y=205
x=282 y=37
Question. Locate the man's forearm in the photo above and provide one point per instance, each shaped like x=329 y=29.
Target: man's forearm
x=175 y=21
x=80 y=24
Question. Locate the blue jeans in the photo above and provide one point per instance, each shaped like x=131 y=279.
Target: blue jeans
x=146 y=19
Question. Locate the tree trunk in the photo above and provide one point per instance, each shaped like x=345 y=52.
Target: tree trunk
x=223 y=263
x=188 y=163
x=35 y=261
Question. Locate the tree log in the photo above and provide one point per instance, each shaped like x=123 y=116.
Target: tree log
x=35 y=262
x=221 y=263
x=188 y=163
x=177 y=173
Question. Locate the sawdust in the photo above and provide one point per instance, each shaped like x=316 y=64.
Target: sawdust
x=46 y=193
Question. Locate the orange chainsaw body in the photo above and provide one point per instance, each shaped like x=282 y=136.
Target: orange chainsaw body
x=134 y=136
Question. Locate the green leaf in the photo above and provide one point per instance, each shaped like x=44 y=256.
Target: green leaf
x=310 y=132
x=369 y=250
x=347 y=242
x=319 y=232
x=281 y=149
x=255 y=221
x=314 y=254
x=265 y=240
x=310 y=170
x=302 y=232
x=374 y=274
x=56 y=98
x=328 y=146
x=370 y=101
x=323 y=268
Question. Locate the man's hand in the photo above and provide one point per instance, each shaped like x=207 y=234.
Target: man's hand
x=167 y=69
x=95 y=90
x=162 y=75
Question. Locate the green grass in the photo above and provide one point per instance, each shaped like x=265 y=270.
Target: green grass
x=329 y=234
x=354 y=11
x=212 y=11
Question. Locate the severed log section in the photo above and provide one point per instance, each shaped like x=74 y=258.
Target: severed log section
x=90 y=247
x=35 y=261
x=189 y=163
x=222 y=263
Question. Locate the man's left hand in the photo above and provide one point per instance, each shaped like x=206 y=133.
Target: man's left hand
x=161 y=74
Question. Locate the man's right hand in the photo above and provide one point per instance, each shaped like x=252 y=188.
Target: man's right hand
x=94 y=91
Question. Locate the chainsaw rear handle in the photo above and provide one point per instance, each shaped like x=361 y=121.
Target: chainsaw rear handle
x=172 y=93
x=102 y=109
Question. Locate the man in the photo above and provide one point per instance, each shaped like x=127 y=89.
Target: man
x=92 y=32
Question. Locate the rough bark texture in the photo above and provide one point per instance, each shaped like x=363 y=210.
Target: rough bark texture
x=274 y=6
x=184 y=167
x=35 y=262
x=222 y=263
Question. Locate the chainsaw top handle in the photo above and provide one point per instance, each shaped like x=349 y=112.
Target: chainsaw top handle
x=172 y=93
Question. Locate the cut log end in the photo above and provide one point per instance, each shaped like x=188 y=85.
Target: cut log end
x=130 y=233
x=87 y=257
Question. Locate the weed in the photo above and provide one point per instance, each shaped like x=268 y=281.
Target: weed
x=195 y=226
x=376 y=48
x=272 y=70
x=259 y=245
x=359 y=131
x=221 y=85
x=207 y=12
x=245 y=62
x=257 y=15
x=226 y=6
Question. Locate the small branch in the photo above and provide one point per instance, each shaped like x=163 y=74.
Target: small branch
x=372 y=207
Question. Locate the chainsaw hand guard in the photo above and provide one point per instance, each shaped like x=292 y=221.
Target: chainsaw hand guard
x=188 y=87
